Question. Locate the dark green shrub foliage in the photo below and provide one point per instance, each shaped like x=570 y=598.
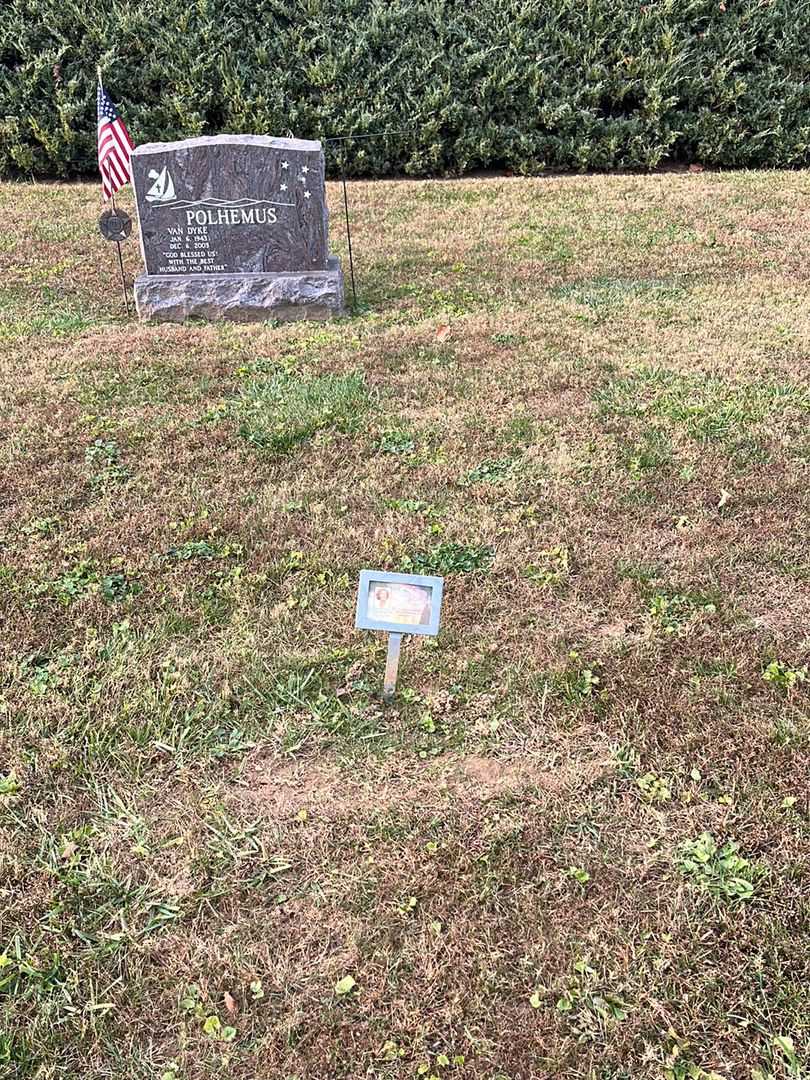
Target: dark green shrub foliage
x=517 y=84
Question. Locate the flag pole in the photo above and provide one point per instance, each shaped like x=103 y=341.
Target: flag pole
x=120 y=258
x=112 y=199
x=123 y=278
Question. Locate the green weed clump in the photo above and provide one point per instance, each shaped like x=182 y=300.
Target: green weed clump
x=551 y=567
x=104 y=460
x=783 y=676
x=579 y=683
x=449 y=558
x=490 y=472
x=670 y=612
x=279 y=414
x=203 y=549
x=721 y=871
x=590 y=1006
x=395 y=442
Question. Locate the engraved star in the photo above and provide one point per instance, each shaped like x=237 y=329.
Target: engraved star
x=285 y=164
x=305 y=169
x=283 y=187
x=307 y=194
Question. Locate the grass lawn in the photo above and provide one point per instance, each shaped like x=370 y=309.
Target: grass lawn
x=577 y=846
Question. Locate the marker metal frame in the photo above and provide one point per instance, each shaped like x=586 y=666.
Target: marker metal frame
x=363 y=620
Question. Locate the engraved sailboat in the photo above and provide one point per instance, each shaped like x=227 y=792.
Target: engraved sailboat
x=163 y=189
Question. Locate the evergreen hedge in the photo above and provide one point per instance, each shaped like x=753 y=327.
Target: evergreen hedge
x=524 y=85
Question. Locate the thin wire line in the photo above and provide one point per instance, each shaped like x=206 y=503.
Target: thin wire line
x=371 y=135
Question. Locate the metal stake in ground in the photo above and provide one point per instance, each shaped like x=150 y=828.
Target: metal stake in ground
x=343 y=139
x=348 y=228
x=121 y=266
x=391 y=668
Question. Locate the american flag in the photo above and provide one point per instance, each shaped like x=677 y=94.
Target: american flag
x=114 y=146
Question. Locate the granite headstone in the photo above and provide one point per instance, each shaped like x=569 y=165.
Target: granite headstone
x=234 y=227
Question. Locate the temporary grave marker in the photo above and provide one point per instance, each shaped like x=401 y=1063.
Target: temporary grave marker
x=398 y=604
x=234 y=227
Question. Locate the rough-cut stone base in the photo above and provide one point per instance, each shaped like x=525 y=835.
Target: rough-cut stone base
x=311 y=294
